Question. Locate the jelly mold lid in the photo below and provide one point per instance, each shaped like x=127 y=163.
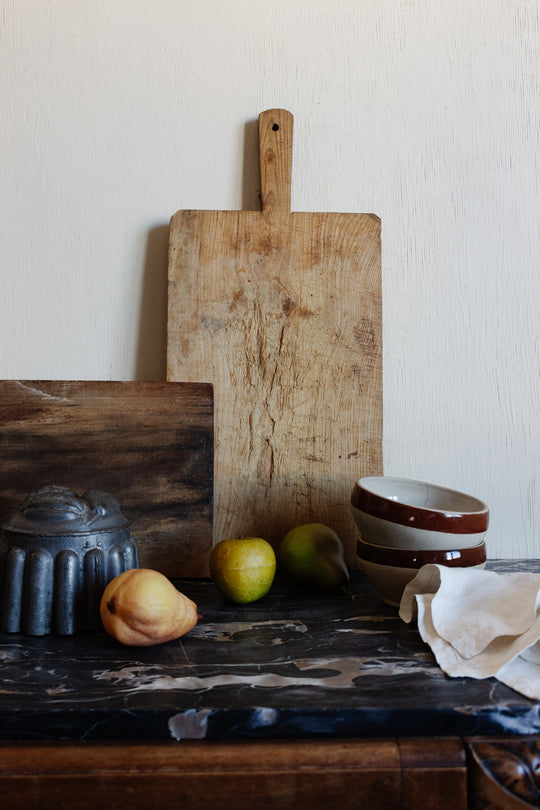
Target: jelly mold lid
x=59 y=510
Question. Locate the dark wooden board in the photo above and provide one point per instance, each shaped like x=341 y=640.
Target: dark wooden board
x=149 y=444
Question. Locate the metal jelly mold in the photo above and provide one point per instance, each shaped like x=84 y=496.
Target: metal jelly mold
x=57 y=554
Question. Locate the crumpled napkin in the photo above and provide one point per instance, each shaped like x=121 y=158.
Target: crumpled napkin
x=479 y=623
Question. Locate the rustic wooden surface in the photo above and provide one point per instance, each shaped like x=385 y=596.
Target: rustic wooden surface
x=204 y=775
x=149 y=444
x=281 y=311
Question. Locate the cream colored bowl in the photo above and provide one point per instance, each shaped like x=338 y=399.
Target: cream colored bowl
x=390 y=581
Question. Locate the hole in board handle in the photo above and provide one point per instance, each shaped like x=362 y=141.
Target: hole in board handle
x=275 y=127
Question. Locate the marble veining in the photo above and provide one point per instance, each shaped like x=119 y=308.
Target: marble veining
x=294 y=664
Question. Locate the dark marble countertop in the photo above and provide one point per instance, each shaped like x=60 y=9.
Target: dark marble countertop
x=295 y=664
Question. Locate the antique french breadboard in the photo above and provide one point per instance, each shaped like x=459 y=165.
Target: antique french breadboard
x=281 y=312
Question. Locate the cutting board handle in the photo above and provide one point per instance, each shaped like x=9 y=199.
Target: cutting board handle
x=275 y=160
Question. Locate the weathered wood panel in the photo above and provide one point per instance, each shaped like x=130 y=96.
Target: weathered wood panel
x=149 y=444
x=281 y=311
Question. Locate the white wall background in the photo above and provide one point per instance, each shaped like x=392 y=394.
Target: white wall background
x=116 y=113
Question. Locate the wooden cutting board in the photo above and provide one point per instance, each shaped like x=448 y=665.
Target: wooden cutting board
x=281 y=311
x=149 y=444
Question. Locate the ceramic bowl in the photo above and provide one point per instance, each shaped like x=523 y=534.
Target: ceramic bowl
x=416 y=558
x=390 y=570
x=407 y=514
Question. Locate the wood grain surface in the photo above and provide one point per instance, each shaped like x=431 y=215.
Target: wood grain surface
x=203 y=775
x=149 y=444
x=281 y=312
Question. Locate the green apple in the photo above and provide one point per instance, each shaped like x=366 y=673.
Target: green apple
x=243 y=569
x=313 y=555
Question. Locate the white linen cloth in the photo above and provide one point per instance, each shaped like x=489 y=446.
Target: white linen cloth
x=479 y=623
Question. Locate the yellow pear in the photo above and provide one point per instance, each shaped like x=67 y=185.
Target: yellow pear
x=141 y=607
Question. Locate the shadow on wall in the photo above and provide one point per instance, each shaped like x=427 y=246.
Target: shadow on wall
x=152 y=346
x=251 y=184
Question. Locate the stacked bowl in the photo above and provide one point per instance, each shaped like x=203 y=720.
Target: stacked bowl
x=405 y=524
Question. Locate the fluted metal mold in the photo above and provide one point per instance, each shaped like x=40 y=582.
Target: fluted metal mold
x=53 y=583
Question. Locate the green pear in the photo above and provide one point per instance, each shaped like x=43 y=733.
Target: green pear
x=313 y=555
x=243 y=568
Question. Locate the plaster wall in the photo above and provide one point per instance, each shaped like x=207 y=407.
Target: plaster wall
x=117 y=113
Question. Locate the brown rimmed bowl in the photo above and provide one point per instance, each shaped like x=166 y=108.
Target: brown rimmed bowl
x=407 y=514
x=415 y=558
x=390 y=570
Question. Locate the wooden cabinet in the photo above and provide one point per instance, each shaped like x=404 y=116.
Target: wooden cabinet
x=300 y=775
x=404 y=774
